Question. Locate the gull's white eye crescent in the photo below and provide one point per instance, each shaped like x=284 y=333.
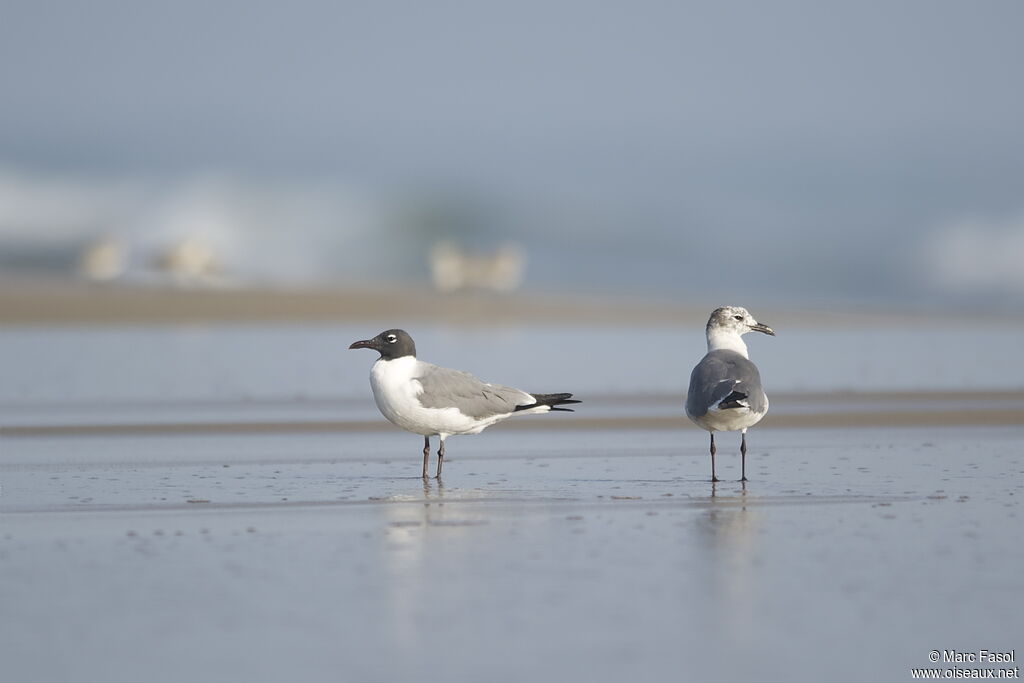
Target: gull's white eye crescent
x=392 y=339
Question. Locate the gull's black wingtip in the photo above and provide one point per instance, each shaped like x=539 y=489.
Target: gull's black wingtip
x=551 y=400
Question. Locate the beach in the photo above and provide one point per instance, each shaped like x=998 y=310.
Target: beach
x=190 y=499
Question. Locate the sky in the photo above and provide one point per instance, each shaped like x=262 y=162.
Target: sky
x=886 y=130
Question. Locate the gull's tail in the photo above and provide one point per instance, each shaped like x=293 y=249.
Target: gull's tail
x=552 y=401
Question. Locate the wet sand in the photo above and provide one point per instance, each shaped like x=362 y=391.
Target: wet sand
x=68 y=302
x=55 y=301
x=834 y=410
x=543 y=555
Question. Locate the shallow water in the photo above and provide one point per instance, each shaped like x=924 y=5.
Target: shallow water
x=57 y=367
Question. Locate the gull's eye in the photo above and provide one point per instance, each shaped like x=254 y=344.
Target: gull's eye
x=737 y=317
x=392 y=339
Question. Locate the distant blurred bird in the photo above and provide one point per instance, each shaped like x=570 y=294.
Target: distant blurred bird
x=430 y=400
x=453 y=268
x=103 y=260
x=725 y=388
x=189 y=261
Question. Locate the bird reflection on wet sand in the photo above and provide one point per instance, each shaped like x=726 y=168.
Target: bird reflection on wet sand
x=727 y=534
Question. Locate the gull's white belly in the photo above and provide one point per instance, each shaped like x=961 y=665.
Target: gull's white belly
x=395 y=391
x=728 y=420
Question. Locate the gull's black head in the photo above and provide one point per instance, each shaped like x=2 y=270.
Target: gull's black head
x=389 y=344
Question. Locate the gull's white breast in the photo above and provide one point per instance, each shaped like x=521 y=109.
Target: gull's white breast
x=396 y=392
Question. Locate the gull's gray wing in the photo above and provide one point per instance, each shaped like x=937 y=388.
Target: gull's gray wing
x=447 y=388
x=720 y=374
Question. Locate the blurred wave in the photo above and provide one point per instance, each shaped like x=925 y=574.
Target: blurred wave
x=229 y=230
x=209 y=227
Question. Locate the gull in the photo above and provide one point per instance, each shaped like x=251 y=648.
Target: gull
x=430 y=400
x=725 y=388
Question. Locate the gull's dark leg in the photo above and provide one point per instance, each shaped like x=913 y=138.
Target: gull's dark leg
x=426 y=455
x=713 y=451
x=440 y=458
x=743 y=456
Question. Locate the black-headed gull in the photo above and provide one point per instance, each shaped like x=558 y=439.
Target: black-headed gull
x=430 y=400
